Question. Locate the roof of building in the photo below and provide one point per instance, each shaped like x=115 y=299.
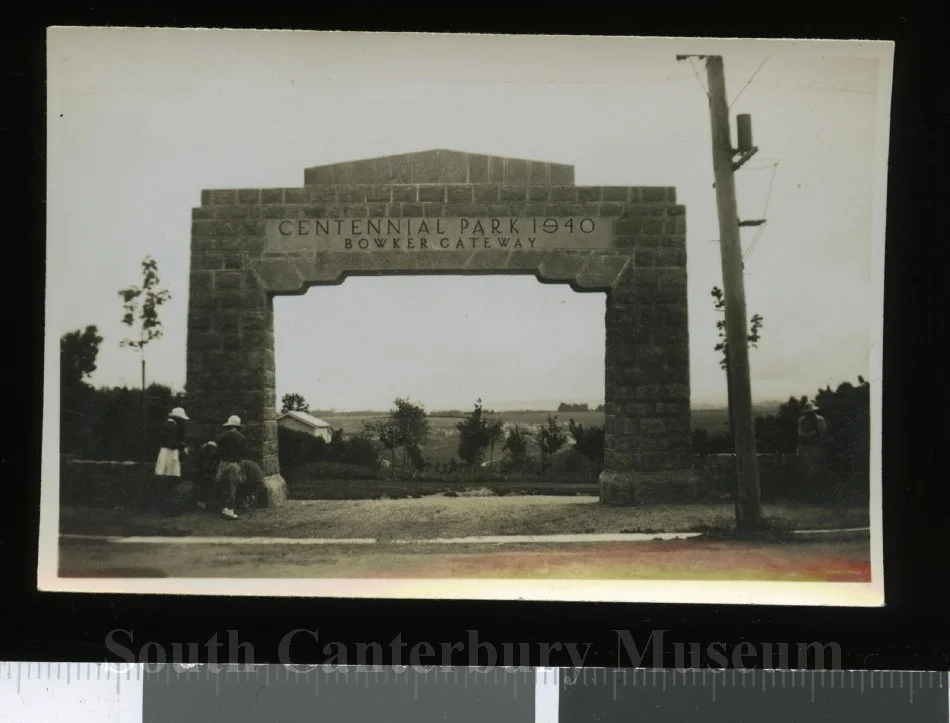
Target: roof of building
x=307 y=419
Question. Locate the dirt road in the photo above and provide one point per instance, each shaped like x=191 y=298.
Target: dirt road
x=811 y=561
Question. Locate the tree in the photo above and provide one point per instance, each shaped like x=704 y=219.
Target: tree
x=412 y=426
x=495 y=430
x=474 y=435
x=551 y=438
x=385 y=431
x=516 y=448
x=140 y=305
x=293 y=403
x=78 y=351
x=755 y=325
x=589 y=441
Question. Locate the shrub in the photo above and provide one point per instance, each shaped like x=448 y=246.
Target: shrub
x=295 y=449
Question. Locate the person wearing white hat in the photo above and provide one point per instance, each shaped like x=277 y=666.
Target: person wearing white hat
x=812 y=433
x=230 y=473
x=172 y=448
x=170 y=453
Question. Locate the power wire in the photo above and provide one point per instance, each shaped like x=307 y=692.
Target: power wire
x=742 y=89
x=761 y=229
x=696 y=73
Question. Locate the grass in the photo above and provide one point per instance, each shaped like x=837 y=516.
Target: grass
x=450 y=517
x=384 y=488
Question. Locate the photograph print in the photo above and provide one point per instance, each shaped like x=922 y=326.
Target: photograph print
x=464 y=316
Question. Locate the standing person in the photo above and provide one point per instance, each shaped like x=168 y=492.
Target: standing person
x=812 y=435
x=206 y=472
x=230 y=473
x=170 y=455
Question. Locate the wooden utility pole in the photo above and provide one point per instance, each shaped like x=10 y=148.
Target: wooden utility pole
x=737 y=344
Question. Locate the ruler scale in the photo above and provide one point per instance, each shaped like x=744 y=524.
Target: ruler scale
x=122 y=693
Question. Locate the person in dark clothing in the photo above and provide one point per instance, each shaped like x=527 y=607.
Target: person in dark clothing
x=170 y=455
x=230 y=473
x=812 y=451
x=205 y=474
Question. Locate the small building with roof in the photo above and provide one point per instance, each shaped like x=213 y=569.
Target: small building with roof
x=306 y=423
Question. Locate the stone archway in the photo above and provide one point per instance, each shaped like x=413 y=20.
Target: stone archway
x=449 y=212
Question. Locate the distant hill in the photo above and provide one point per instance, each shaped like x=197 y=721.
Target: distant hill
x=714 y=420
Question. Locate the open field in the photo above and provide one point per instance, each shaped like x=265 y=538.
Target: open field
x=450 y=517
x=442 y=445
x=711 y=420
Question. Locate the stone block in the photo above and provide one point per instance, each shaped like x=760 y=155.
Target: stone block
x=321 y=175
x=516 y=171
x=653 y=194
x=677 y=392
x=565 y=208
x=379 y=193
x=560 y=173
x=537 y=193
x=313 y=210
x=203 y=213
x=275 y=490
x=496 y=169
x=249 y=196
x=351 y=194
x=272 y=196
x=538 y=172
x=201 y=280
x=563 y=193
x=435 y=209
x=321 y=194
x=203 y=228
x=341 y=174
x=363 y=171
x=229 y=280
x=223 y=197
x=617 y=489
x=405 y=193
x=487 y=193
x=279 y=276
x=426 y=167
x=432 y=193
x=454 y=167
x=477 y=168
x=611 y=209
x=562 y=266
x=514 y=193
x=400 y=169
x=227 y=322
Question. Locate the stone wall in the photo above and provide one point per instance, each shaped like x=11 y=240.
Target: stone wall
x=234 y=276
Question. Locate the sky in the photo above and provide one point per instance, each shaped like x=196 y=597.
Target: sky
x=141 y=120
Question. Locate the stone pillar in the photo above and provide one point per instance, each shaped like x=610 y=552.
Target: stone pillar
x=648 y=446
x=230 y=347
